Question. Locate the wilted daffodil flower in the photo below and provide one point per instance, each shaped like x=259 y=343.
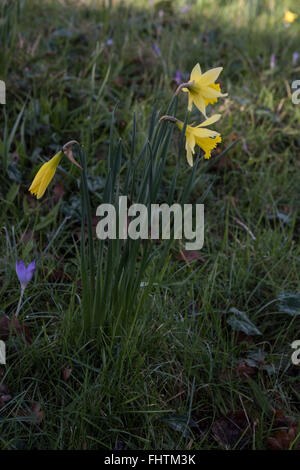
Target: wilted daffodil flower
x=202 y=89
x=199 y=135
x=47 y=171
x=289 y=16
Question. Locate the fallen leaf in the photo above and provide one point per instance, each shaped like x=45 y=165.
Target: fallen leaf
x=181 y=424
x=27 y=236
x=284 y=439
x=240 y=322
x=289 y=303
x=281 y=420
x=245 y=370
x=56 y=275
x=4 y=395
x=67 y=371
x=241 y=337
x=13 y=326
x=190 y=255
x=38 y=414
x=233 y=430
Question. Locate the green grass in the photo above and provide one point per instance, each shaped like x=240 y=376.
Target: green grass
x=168 y=377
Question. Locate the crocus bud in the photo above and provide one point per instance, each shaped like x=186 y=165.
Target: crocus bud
x=24 y=273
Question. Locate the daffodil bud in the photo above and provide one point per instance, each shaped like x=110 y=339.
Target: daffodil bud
x=47 y=171
x=44 y=176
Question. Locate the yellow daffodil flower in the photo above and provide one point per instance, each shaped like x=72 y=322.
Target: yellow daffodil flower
x=202 y=88
x=44 y=176
x=47 y=171
x=289 y=16
x=205 y=138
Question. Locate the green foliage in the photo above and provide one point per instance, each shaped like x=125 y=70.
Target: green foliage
x=116 y=298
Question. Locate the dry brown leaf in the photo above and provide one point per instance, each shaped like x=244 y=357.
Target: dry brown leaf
x=28 y=235
x=190 y=255
x=4 y=395
x=283 y=439
x=13 y=326
x=281 y=420
x=233 y=430
x=244 y=370
x=67 y=371
x=37 y=412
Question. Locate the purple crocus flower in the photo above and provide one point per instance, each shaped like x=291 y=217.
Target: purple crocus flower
x=185 y=9
x=272 y=61
x=295 y=58
x=177 y=77
x=24 y=273
x=156 y=50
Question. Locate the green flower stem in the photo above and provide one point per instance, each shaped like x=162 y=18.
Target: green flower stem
x=20 y=300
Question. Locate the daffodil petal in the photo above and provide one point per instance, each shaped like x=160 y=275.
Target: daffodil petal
x=209 y=92
x=210 y=76
x=199 y=103
x=45 y=182
x=189 y=154
x=189 y=146
x=190 y=138
x=209 y=121
x=190 y=102
x=196 y=73
x=38 y=178
x=204 y=132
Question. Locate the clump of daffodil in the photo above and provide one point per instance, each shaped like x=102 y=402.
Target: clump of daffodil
x=199 y=135
x=289 y=16
x=202 y=89
x=47 y=171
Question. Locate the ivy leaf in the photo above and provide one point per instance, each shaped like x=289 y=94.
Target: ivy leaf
x=289 y=303
x=240 y=322
x=179 y=423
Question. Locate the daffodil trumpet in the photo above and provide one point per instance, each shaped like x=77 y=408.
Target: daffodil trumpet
x=199 y=135
x=47 y=171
